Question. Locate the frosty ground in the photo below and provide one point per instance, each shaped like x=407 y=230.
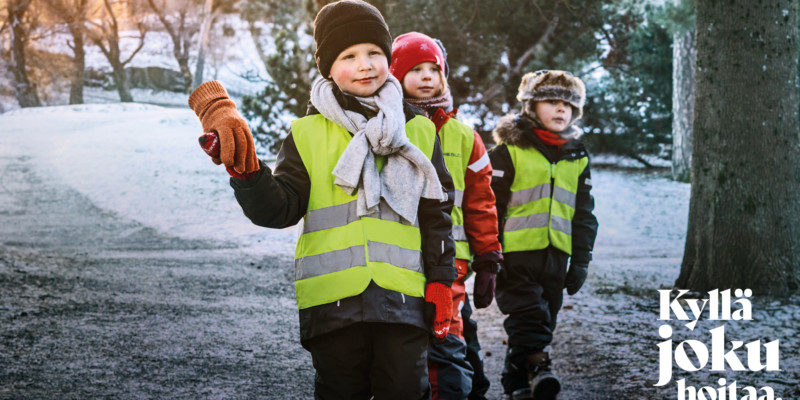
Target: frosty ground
x=127 y=271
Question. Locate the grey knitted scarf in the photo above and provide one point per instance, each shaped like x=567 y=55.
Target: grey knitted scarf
x=407 y=175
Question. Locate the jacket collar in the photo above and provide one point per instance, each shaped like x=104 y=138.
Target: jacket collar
x=517 y=130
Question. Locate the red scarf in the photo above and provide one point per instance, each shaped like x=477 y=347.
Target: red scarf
x=550 y=138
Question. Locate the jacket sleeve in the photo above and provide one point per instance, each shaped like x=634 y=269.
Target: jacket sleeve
x=584 y=223
x=478 y=205
x=502 y=178
x=276 y=199
x=436 y=227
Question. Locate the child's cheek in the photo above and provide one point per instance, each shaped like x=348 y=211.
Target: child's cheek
x=345 y=73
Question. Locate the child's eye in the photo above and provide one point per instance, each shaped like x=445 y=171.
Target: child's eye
x=347 y=56
x=375 y=53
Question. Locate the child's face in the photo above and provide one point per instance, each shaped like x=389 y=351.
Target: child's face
x=423 y=80
x=554 y=114
x=360 y=69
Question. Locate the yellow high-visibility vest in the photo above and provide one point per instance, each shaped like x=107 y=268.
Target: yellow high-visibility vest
x=457 y=140
x=542 y=202
x=338 y=252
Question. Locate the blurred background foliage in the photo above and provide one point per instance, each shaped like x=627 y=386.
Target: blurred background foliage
x=622 y=49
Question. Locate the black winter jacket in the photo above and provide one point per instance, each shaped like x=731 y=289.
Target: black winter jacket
x=279 y=199
x=516 y=130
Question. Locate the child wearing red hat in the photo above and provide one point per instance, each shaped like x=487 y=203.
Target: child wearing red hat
x=419 y=63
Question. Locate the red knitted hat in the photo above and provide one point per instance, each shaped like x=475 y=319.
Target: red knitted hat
x=412 y=48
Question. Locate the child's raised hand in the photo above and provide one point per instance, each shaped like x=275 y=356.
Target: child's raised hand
x=217 y=113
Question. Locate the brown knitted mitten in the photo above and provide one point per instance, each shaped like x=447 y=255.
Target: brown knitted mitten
x=217 y=113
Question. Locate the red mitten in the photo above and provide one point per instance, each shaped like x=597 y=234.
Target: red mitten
x=441 y=297
x=209 y=142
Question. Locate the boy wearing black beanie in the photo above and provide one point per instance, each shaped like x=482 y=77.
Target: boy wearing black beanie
x=375 y=258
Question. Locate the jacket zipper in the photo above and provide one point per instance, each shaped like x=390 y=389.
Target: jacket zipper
x=552 y=196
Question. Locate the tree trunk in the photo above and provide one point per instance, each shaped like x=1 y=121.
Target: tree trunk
x=24 y=90
x=183 y=63
x=683 y=59
x=181 y=36
x=79 y=65
x=744 y=212
x=121 y=81
x=205 y=29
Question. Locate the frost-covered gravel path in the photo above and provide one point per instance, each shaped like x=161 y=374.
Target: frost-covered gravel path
x=606 y=341
x=127 y=271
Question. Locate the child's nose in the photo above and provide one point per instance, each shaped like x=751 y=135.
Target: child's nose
x=364 y=63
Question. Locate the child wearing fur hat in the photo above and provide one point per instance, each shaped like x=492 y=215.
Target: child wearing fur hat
x=419 y=62
x=543 y=187
x=367 y=176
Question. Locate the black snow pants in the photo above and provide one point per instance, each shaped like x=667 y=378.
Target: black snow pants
x=530 y=292
x=480 y=383
x=386 y=360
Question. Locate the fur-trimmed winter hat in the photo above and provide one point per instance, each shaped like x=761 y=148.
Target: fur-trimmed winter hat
x=412 y=48
x=344 y=23
x=553 y=85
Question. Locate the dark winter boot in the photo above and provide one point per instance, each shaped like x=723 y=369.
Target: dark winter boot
x=544 y=382
x=520 y=394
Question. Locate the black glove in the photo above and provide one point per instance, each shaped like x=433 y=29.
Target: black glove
x=575 y=277
x=486 y=267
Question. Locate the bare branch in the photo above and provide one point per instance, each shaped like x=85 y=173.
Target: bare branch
x=515 y=69
x=611 y=42
x=163 y=18
x=142 y=33
x=114 y=23
x=528 y=54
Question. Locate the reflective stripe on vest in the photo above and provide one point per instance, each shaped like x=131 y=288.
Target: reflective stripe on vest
x=457 y=140
x=542 y=202
x=338 y=253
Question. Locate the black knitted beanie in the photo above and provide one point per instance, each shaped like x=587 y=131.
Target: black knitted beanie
x=344 y=23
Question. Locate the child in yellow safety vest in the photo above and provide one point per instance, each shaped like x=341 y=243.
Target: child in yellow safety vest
x=455 y=365
x=543 y=186
x=374 y=261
